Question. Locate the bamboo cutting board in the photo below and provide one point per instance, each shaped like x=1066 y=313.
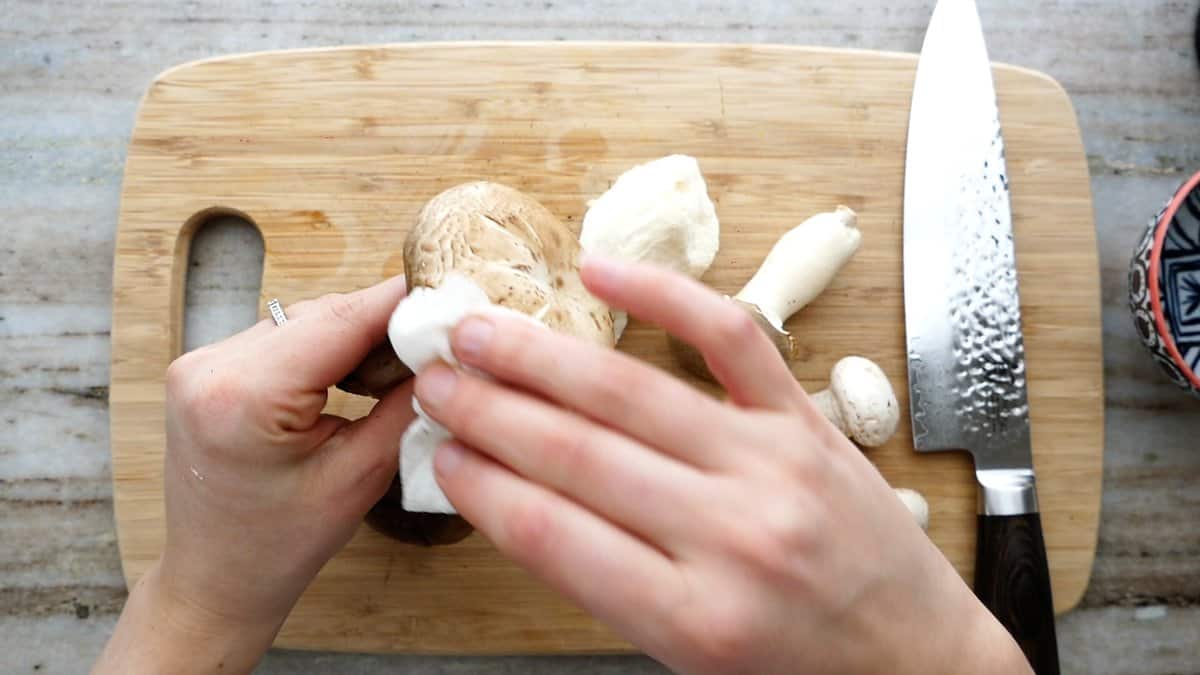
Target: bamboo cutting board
x=332 y=152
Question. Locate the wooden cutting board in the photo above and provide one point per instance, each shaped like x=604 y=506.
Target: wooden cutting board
x=331 y=153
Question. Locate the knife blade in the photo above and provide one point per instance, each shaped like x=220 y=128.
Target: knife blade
x=966 y=356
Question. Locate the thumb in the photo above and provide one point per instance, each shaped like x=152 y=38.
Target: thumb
x=364 y=455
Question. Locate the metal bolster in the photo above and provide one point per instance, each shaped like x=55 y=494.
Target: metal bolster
x=1006 y=492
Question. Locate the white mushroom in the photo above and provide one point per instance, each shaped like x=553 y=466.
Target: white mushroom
x=658 y=212
x=860 y=401
x=916 y=504
x=801 y=264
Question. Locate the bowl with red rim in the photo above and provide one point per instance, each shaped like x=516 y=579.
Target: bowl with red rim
x=1164 y=286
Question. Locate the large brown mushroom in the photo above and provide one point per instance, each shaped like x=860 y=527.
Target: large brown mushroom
x=388 y=517
x=518 y=252
x=473 y=240
x=513 y=248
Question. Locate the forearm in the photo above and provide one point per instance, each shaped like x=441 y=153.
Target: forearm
x=158 y=633
x=944 y=632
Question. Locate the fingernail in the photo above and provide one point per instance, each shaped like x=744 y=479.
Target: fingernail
x=447 y=458
x=471 y=336
x=435 y=385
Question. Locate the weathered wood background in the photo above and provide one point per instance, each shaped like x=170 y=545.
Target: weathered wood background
x=70 y=80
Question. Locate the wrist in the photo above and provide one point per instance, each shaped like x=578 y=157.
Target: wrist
x=161 y=630
x=954 y=633
x=988 y=647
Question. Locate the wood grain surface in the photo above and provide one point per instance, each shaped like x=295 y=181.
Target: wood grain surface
x=73 y=77
x=331 y=152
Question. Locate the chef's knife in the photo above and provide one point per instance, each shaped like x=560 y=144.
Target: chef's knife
x=966 y=358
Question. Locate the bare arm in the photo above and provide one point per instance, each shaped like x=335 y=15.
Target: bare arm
x=261 y=487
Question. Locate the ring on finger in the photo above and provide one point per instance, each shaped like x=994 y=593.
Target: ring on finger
x=276 y=310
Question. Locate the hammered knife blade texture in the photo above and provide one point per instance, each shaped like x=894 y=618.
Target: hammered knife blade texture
x=966 y=354
x=962 y=309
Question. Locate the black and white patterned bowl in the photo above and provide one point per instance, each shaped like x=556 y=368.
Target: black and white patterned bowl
x=1164 y=286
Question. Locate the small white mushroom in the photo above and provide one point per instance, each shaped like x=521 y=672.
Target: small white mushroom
x=860 y=401
x=658 y=212
x=801 y=264
x=916 y=504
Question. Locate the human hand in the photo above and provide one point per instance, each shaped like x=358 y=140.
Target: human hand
x=261 y=487
x=719 y=537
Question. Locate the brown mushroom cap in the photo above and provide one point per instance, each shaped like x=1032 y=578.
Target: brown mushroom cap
x=514 y=249
x=525 y=259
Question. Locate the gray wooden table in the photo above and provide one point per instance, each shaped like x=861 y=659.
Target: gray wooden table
x=70 y=80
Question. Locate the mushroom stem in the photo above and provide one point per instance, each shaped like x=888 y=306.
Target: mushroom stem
x=378 y=373
x=860 y=401
x=802 y=264
x=829 y=408
x=798 y=267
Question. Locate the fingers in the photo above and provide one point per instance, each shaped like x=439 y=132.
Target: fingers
x=362 y=456
x=738 y=354
x=611 y=574
x=643 y=491
x=608 y=386
x=324 y=339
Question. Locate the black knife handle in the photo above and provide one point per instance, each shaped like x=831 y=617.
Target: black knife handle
x=1012 y=579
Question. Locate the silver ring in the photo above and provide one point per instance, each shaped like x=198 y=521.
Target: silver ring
x=277 y=312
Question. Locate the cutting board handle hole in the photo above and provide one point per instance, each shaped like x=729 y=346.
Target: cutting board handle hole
x=223 y=277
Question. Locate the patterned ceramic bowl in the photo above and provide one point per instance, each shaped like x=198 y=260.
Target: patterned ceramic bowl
x=1164 y=286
